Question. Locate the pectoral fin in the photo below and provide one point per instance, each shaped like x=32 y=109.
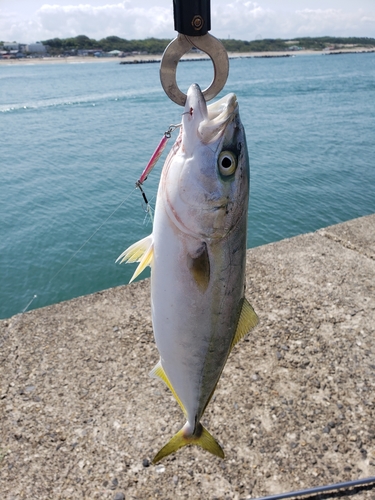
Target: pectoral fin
x=199 y=266
x=248 y=320
x=158 y=372
x=142 y=251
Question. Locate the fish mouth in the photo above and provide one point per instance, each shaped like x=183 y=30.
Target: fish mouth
x=220 y=113
x=222 y=109
x=210 y=121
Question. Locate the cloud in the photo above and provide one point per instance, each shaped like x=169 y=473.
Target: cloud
x=112 y=19
x=243 y=19
x=328 y=22
x=246 y=19
x=14 y=29
x=119 y=19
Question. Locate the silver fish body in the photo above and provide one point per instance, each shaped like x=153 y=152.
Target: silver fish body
x=197 y=252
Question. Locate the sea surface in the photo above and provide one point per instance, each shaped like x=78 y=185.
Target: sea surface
x=74 y=138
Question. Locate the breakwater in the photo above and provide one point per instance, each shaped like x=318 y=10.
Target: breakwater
x=294 y=408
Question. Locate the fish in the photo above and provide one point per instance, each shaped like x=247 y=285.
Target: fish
x=197 y=255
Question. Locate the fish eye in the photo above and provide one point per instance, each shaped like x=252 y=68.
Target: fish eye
x=227 y=163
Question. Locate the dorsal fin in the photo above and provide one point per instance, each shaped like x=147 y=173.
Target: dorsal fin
x=248 y=319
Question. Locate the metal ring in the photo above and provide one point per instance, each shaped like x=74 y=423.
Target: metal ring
x=177 y=48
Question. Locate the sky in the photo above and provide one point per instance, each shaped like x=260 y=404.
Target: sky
x=27 y=21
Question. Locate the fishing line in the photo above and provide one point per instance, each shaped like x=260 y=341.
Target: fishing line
x=4 y=337
x=72 y=257
x=88 y=239
x=138 y=185
x=28 y=305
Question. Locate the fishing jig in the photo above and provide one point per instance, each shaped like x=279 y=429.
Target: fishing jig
x=152 y=162
x=156 y=154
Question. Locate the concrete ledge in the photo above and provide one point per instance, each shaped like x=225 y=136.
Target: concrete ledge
x=295 y=408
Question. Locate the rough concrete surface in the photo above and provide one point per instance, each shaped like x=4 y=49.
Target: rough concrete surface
x=294 y=408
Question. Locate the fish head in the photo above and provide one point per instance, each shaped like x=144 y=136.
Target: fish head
x=206 y=177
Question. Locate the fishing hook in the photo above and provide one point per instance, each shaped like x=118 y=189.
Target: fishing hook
x=192 y=22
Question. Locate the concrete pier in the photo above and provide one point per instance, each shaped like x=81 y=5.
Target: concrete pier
x=295 y=407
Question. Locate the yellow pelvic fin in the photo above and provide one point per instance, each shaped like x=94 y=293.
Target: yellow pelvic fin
x=248 y=320
x=158 y=372
x=142 y=251
x=201 y=438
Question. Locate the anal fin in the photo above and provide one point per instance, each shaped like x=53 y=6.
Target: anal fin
x=158 y=372
x=248 y=320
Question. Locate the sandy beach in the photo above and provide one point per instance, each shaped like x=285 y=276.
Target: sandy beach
x=156 y=58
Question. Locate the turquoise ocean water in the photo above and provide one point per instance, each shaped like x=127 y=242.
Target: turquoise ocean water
x=75 y=138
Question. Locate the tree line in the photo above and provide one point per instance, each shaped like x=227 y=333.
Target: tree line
x=57 y=46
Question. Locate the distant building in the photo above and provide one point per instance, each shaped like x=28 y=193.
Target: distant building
x=11 y=46
x=11 y=54
x=114 y=53
x=36 y=48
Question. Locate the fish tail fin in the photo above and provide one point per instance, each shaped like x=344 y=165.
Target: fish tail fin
x=201 y=437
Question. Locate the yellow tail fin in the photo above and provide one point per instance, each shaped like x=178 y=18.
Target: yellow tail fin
x=201 y=438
